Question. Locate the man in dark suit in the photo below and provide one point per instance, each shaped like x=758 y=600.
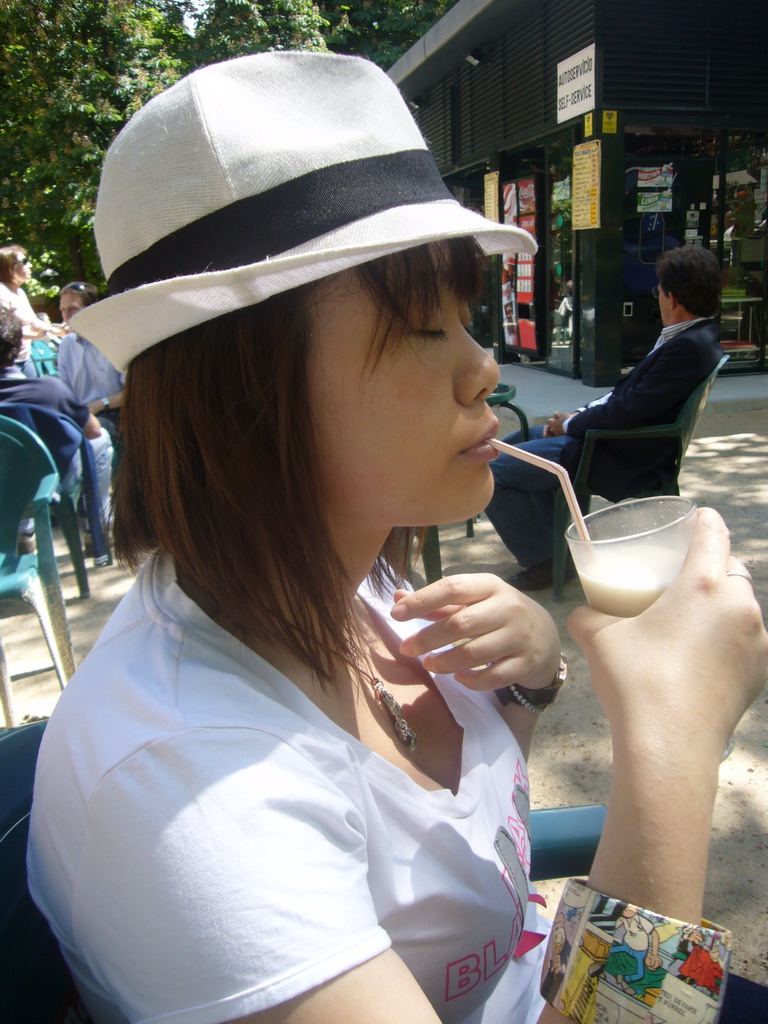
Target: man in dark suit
x=686 y=352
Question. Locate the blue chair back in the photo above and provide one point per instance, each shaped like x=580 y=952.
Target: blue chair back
x=35 y=984
x=64 y=438
x=24 y=462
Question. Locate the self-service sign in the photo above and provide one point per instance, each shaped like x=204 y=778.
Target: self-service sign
x=576 y=84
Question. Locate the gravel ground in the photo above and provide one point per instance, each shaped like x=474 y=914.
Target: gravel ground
x=725 y=468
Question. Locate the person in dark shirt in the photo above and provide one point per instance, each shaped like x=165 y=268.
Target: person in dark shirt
x=51 y=393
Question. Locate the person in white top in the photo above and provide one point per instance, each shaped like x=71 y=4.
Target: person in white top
x=275 y=790
x=15 y=272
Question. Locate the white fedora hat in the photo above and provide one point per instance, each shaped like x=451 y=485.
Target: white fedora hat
x=254 y=176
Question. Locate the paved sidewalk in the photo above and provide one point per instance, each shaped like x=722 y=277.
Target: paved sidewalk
x=540 y=393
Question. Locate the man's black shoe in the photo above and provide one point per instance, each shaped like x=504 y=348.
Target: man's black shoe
x=538 y=577
x=535 y=577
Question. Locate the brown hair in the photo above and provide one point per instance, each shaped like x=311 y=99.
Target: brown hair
x=9 y=257
x=219 y=468
x=87 y=292
x=694 y=276
x=10 y=337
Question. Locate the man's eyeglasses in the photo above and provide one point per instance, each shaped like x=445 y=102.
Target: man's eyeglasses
x=655 y=292
x=76 y=286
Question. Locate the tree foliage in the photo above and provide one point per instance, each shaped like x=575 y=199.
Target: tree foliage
x=380 y=31
x=233 y=28
x=73 y=71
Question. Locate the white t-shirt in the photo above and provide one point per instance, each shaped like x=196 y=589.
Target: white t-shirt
x=19 y=302
x=206 y=843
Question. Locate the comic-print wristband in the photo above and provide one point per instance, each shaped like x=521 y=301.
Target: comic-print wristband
x=609 y=960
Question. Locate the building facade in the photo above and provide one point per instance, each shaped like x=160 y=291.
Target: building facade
x=613 y=130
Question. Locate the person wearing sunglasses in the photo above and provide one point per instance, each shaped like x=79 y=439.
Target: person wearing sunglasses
x=93 y=380
x=15 y=272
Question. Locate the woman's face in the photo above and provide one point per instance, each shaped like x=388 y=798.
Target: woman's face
x=22 y=270
x=403 y=438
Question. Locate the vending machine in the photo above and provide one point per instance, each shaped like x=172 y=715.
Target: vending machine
x=667 y=203
x=517 y=277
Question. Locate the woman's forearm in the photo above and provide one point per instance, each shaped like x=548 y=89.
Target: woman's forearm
x=655 y=842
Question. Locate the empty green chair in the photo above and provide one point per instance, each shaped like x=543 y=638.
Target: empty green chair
x=63 y=438
x=28 y=482
x=45 y=358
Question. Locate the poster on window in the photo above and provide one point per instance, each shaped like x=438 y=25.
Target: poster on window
x=655 y=177
x=655 y=201
x=525 y=262
x=526 y=205
x=508 y=271
x=517 y=275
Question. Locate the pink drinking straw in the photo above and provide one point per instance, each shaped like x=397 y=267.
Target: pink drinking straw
x=550 y=467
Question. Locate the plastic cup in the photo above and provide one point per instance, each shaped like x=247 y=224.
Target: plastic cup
x=636 y=549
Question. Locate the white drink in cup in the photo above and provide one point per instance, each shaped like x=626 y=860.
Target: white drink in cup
x=636 y=549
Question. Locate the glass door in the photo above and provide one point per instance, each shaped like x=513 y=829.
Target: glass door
x=537 y=297
x=744 y=205
x=559 y=257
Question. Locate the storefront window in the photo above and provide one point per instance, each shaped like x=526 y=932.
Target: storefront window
x=683 y=209
x=745 y=203
x=560 y=258
x=537 y=292
x=518 y=279
x=667 y=203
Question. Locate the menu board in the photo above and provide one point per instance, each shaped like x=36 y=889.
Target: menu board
x=491 y=196
x=585 y=192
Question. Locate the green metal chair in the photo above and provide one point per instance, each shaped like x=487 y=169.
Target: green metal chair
x=430 y=552
x=62 y=437
x=44 y=356
x=564 y=840
x=681 y=430
x=28 y=482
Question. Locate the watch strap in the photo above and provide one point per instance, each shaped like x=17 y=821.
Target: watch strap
x=536 y=700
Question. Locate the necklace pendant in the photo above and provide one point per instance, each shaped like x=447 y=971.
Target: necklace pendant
x=405 y=734
x=403 y=731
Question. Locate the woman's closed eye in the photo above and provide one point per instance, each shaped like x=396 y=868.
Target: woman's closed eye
x=435 y=333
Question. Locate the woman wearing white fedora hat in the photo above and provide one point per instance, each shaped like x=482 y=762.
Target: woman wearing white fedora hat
x=276 y=789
